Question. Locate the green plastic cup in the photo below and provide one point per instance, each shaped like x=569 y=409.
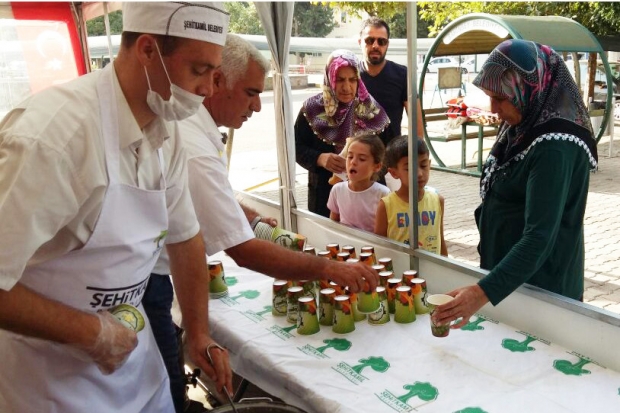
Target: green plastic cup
x=392 y=284
x=278 y=300
x=387 y=263
x=382 y=315
x=217 y=282
x=343 y=315
x=433 y=301
x=404 y=308
x=357 y=314
x=307 y=319
x=292 y=304
x=418 y=286
x=368 y=302
x=326 y=306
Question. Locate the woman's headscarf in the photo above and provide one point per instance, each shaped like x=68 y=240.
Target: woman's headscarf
x=334 y=121
x=534 y=78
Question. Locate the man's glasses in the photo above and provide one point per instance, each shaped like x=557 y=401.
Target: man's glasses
x=382 y=41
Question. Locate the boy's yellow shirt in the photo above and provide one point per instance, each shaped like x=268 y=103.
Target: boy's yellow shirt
x=429 y=220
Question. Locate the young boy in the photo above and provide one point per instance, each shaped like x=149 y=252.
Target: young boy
x=392 y=217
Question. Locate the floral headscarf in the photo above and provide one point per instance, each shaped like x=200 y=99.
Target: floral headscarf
x=534 y=78
x=333 y=121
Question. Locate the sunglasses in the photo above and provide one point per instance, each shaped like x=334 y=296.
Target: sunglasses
x=382 y=41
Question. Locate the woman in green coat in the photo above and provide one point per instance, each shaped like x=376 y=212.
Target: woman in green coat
x=534 y=184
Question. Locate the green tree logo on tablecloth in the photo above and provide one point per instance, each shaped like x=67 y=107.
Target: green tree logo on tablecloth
x=471 y=410
x=425 y=391
x=571 y=369
x=474 y=325
x=339 y=344
x=289 y=329
x=378 y=364
x=249 y=294
x=231 y=281
x=257 y=317
x=518 y=346
x=267 y=309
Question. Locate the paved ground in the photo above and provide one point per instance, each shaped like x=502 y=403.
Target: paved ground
x=602 y=223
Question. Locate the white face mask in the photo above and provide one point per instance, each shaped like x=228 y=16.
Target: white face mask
x=182 y=104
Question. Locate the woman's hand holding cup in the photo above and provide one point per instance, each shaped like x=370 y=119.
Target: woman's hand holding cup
x=332 y=162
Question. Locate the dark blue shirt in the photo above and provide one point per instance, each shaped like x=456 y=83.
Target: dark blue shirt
x=389 y=88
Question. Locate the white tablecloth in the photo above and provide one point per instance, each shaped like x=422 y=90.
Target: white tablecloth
x=401 y=367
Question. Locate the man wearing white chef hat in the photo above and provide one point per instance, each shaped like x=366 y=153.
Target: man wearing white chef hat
x=93 y=185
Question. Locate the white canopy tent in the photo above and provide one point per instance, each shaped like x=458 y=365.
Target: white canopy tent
x=277 y=19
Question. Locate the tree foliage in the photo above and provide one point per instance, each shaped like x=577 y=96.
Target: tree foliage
x=312 y=20
x=601 y=18
x=243 y=18
x=309 y=19
x=96 y=26
x=384 y=10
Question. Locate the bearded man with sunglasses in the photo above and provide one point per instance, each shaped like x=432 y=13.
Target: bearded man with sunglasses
x=385 y=80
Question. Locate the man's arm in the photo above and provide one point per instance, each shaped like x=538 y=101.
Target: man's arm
x=420 y=125
x=190 y=277
x=278 y=262
x=107 y=342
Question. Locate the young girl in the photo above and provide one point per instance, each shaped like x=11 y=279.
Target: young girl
x=354 y=202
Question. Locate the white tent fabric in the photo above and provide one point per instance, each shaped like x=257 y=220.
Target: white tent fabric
x=277 y=20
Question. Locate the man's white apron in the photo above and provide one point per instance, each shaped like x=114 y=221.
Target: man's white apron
x=112 y=268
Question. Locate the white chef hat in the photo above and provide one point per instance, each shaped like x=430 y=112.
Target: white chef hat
x=207 y=22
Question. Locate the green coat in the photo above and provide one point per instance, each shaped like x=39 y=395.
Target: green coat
x=531 y=222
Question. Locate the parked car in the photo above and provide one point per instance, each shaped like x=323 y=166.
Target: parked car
x=472 y=66
x=440 y=62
